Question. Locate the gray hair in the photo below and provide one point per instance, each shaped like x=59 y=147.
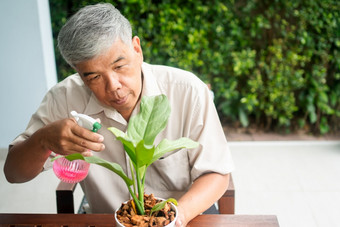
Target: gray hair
x=92 y=31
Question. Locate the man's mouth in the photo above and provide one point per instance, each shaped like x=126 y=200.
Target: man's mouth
x=121 y=101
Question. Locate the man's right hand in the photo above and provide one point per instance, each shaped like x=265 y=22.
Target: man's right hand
x=26 y=159
x=66 y=137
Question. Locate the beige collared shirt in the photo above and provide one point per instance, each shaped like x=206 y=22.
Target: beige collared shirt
x=193 y=115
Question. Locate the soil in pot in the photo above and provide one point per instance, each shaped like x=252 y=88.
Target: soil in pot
x=127 y=215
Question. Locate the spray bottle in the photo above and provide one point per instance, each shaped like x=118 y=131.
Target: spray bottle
x=75 y=171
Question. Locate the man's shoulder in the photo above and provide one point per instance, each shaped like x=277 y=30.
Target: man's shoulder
x=173 y=75
x=71 y=90
x=164 y=69
x=71 y=83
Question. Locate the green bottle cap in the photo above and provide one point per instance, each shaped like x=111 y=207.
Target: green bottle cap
x=96 y=127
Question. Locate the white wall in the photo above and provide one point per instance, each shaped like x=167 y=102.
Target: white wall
x=27 y=65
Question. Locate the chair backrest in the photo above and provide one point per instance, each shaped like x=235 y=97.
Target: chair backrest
x=226 y=204
x=64 y=195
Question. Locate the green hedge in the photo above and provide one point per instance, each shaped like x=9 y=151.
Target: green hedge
x=271 y=63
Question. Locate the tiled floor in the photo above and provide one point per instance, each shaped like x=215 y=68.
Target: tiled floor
x=36 y=196
x=298 y=181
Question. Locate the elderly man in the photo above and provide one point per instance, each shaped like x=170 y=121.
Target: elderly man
x=111 y=78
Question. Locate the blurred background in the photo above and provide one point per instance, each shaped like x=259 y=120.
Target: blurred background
x=274 y=68
x=272 y=64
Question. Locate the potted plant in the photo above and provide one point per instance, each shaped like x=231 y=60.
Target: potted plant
x=138 y=143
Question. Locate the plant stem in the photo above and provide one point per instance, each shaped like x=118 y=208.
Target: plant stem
x=133 y=176
x=140 y=187
x=140 y=207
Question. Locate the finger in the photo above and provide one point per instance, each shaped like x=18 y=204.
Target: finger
x=87 y=139
x=69 y=149
x=67 y=137
x=87 y=134
x=87 y=153
x=88 y=145
x=74 y=148
x=179 y=223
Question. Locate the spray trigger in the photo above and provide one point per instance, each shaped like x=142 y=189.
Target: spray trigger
x=86 y=121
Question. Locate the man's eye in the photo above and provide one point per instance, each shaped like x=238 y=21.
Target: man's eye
x=94 y=78
x=119 y=66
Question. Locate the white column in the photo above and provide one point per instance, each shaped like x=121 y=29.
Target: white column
x=27 y=65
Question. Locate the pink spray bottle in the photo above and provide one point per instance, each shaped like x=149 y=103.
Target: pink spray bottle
x=75 y=171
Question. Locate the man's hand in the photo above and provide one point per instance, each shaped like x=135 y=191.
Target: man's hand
x=181 y=220
x=66 y=137
x=25 y=160
x=204 y=192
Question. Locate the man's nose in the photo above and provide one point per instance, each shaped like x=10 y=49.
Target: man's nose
x=112 y=83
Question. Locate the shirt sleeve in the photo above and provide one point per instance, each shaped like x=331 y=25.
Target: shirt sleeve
x=213 y=153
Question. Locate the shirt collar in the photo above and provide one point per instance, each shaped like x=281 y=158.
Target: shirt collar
x=150 y=86
x=94 y=107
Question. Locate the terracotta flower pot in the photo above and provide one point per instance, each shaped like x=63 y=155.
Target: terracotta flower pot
x=171 y=224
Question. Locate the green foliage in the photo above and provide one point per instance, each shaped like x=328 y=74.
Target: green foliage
x=271 y=63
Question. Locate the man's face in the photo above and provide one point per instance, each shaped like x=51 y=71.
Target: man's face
x=115 y=77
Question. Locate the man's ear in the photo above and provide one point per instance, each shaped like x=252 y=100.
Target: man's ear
x=136 y=46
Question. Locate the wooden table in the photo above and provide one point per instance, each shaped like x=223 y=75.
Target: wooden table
x=105 y=220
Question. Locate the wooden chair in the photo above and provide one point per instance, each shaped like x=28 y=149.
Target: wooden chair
x=226 y=204
x=65 y=201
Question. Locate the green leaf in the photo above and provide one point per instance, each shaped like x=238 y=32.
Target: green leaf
x=129 y=145
x=166 y=146
x=161 y=205
x=152 y=119
x=56 y=157
x=142 y=172
x=144 y=154
x=114 y=167
x=243 y=117
x=312 y=113
x=117 y=132
x=324 y=127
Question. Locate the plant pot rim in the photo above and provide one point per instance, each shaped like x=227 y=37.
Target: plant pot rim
x=171 y=224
